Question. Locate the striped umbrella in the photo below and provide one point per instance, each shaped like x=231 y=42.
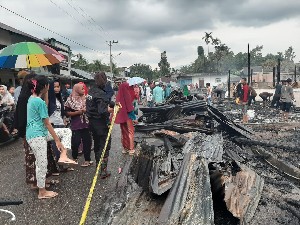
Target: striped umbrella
x=28 y=55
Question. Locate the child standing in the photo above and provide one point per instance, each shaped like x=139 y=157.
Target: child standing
x=39 y=130
x=75 y=107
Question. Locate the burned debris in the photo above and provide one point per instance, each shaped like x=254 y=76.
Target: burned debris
x=195 y=165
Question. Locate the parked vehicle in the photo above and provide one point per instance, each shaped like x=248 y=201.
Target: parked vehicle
x=6 y=123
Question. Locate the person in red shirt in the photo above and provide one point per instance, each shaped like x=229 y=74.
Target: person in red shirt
x=245 y=99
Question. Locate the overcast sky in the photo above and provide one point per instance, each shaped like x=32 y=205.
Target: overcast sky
x=145 y=28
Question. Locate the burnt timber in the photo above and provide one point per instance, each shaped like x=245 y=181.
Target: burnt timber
x=191 y=161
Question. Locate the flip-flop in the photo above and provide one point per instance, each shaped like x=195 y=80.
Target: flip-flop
x=67 y=162
x=53 y=182
x=68 y=169
x=87 y=164
x=54 y=194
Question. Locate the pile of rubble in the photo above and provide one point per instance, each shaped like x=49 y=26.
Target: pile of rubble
x=198 y=166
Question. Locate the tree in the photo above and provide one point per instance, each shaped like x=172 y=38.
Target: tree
x=200 y=51
x=164 y=66
x=81 y=63
x=141 y=70
x=289 y=54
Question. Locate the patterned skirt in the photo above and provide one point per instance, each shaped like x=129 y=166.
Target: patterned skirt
x=30 y=163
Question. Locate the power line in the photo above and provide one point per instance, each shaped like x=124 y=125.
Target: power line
x=100 y=28
x=85 y=15
x=31 y=21
x=73 y=17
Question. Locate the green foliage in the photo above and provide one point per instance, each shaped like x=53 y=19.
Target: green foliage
x=223 y=59
x=164 y=65
x=141 y=70
x=95 y=66
x=200 y=51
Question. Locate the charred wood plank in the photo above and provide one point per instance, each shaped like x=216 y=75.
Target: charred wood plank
x=228 y=125
x=190 y=199
x=242 y=193
x=288 y=169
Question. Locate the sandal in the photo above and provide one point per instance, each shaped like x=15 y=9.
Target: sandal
x=52 y=182
x=131 y=152
x=67 y=162
x=87 y=163
x=68 y=169
x=51 y=194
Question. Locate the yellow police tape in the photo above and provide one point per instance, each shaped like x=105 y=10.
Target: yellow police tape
x=89 y=198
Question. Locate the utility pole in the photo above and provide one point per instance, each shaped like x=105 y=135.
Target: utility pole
x=228 y=85
x=110 y=55
x=248 y=64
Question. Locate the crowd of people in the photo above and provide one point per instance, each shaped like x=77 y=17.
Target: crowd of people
x=54 y=120
x=283 y=98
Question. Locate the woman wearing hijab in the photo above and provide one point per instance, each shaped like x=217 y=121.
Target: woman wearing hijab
x=75 y=107
x=6 y=98
x=126 y=117
x=186 y=91
x=98 y=111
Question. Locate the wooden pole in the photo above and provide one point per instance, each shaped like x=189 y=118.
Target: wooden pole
x=248 y=64
x=274 y=75
x=251 y=77
x=228 y=83
x=295 y=74
x=278 y=71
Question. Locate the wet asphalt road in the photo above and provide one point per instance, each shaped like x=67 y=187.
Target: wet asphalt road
x=73 y=188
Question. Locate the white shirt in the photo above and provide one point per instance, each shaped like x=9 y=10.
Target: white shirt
x=56 y=118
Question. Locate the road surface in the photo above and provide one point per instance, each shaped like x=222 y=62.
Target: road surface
x=73 y=188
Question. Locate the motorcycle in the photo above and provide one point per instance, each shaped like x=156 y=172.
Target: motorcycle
x=6 y=124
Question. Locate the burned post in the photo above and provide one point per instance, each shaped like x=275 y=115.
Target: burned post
x=274 y=76
x=228 y=83
x=251 y=76
x=278 y=71
x=248 y=65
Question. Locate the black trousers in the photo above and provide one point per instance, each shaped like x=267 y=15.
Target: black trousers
x=251 y=98
x=99 y=131
x=84 y=136
x=276 y=101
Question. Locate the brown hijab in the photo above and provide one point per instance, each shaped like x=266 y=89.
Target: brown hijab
x=76 y=100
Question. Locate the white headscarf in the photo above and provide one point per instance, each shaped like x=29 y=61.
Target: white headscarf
x=6 y=98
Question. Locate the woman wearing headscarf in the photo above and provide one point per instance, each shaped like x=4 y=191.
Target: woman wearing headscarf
x=98 y=111
x=186 y=91
x=168 y=91
x=75 y=107
x=126 y=117
x=6 y=98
